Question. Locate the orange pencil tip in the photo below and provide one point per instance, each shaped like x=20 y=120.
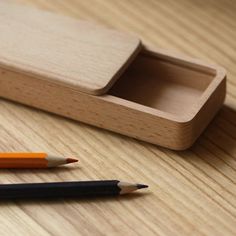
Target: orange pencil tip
x=71 y=160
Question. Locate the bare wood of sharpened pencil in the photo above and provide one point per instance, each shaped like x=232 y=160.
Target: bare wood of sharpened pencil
x=54 y=161
x=32 y=160
x=128 y=187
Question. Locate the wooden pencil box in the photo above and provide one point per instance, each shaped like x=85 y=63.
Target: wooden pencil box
x=105 y=78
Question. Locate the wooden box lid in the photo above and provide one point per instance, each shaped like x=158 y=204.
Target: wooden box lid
x=78 y=54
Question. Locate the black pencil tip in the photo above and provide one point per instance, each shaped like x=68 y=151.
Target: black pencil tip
x=139 y=186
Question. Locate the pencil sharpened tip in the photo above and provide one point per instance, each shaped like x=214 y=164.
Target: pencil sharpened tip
x=139 y=186
x=71 y=160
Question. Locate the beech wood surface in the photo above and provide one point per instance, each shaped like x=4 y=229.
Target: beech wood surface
x=87 y=57
x=162 y=98
x=191 y=192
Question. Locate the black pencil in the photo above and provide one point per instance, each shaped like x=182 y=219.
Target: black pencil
x=67 y=189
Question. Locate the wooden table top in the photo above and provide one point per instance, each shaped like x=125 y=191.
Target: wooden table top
x=191 y=192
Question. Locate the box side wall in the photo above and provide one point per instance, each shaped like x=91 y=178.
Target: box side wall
x=99 y=111
x=209 y=109
x=197 y=123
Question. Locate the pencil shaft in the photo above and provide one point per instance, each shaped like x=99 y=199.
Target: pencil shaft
x=23 y=160
x=22 y=155
x=59 y=189
x=32 y=160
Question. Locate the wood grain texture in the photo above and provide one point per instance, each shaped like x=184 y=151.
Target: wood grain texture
x=81 y=55
x=191 y=192
x=162 y=98
x=172 y=104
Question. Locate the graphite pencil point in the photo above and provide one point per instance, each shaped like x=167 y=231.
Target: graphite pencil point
x=71 y=160
x=139 y=186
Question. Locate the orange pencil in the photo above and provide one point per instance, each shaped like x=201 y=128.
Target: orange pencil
x=32 y=160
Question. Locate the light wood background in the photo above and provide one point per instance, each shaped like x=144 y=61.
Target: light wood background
x=191 y=192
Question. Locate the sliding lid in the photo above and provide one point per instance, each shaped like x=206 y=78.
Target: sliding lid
x=78 y=54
